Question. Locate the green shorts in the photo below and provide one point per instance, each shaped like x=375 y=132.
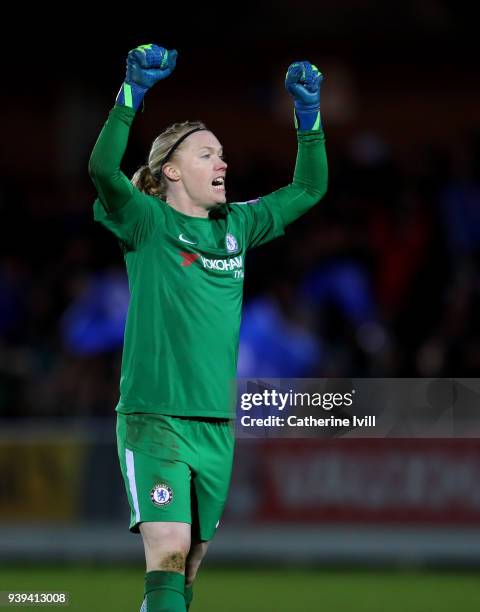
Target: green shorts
x=176 y=469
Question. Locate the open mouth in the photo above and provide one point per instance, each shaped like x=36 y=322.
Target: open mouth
x=219 y=184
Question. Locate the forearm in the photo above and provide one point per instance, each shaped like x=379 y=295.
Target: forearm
x=113 y=187
x=310 y=178
x=311 y=169
x=146 y=65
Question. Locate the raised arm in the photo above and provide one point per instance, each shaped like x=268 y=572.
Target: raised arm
x=310 y=177
x=267 y=216
x=146 y=65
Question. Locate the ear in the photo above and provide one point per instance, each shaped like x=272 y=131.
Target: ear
x=171 y=172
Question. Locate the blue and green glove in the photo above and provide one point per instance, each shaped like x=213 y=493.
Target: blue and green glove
x=146 y=65
x=303 y=82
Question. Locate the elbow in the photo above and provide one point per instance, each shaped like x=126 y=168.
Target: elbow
x=97 y=166
x=323 y=193
x=313 y=190
x=93 y=168
x=317 y=194
x=99 y=174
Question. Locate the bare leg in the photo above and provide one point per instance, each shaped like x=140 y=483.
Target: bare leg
x=197 y=553
x=166 y=546
x=166 y=549
x=195 y=556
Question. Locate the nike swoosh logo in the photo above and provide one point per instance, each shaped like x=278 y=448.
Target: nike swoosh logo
x=183 y=239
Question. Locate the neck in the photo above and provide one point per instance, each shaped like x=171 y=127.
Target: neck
x=186 y=206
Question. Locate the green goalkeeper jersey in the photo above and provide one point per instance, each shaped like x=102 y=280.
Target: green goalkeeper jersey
x=186 y=277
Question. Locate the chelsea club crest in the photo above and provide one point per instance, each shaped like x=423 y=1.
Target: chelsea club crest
x=161 y=494
x=231 y=243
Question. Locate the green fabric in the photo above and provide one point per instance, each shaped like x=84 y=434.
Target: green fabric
x=185 y=460
x=164 y=592
x=188 y=596
x=113 y=187
x=186 y=277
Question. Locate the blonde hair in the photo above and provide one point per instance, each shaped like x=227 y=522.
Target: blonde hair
x=150 y=178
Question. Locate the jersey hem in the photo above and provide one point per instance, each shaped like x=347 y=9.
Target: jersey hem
x=218 y=414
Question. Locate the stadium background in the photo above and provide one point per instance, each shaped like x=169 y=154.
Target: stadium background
x=380 y=280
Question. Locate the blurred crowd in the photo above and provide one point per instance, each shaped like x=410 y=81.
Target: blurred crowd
x=380 y=279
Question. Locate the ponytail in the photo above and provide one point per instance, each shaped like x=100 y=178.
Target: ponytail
x=144 y=180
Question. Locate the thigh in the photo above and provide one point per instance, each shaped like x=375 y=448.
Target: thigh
x=211 y=481
x=157 y=475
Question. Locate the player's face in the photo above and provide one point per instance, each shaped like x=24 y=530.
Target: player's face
x=202 y=169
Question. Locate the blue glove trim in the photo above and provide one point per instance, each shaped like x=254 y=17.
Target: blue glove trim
x=307 y=120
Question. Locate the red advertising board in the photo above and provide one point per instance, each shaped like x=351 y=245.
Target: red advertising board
x=363 y=480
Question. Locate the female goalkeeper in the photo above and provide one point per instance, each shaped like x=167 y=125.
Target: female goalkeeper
x=184 y=249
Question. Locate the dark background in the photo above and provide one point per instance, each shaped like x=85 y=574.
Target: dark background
x=380 y=279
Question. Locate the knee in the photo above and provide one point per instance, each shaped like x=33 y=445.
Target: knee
x=166 y=546
x=172 y=561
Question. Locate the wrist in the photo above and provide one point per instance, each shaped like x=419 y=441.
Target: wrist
x=307 y=117
x=131 y=95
